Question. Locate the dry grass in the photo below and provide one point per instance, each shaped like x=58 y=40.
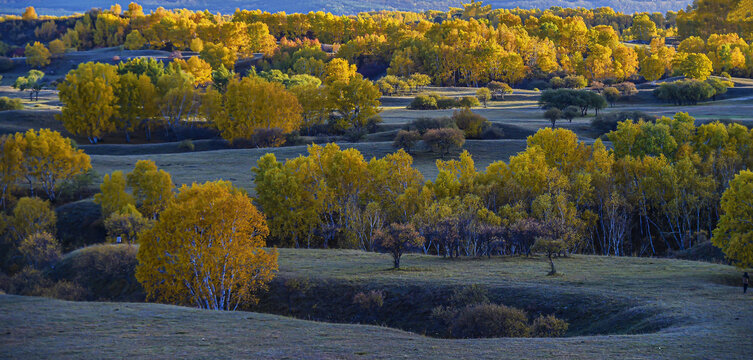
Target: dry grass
x=712 y=316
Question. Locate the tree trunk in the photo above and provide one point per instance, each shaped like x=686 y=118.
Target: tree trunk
x=551 y=263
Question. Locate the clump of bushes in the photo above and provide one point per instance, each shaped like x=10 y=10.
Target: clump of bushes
x=272 y=137
x=472 y=124
x=444 y=141
x=690 y=91
x=424 y=124
x=7 y=103
x=549 y=326
x=438 y=102
x=605 y=123
x=406 y=139
x=490 y=320
x=186 y=145
x=583 y=99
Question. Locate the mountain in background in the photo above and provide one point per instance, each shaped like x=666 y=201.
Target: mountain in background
x=338 y=7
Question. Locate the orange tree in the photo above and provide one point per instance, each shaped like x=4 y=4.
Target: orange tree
x=397 y=239
x=206 y=249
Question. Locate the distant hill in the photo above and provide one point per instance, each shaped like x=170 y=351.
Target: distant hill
x=61 y=7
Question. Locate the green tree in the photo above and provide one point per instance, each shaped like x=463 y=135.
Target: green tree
x=32 y=82
x=734 y=231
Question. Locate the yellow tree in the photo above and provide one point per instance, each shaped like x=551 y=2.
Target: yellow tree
x=29 y=13
x=57 y=47
x=134 y=40
x=218 y=54
x=206 y=249
x=314 y=106
x=152 y=187
x=11 y=160
x=30 y=216
x=37 y=55
x=734 y=232
x=113 y=196
x=50 y=159
x=89 y=101
x=250 y=104
x=200 y=69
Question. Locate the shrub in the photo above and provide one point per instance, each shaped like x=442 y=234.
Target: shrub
x=562 y=98
x=556 y=82
x=369 y=300
x=7 y=103
x=570 y=113
x=423 y=102
x=626 y=88
x=125 y=227
x=483 y=95
x=424 y=124
x=444 y=102
x=186 y=145
x=31 y=216
x=272 y=137
x=28 y=282
x=471 y=123
x=406 y=139
x=575 y=81
x=66 y=290
x=499 y=89
x=469 y=295
x=40 y=250
x=443 y=141
x=6 y=64
x=549 y=326
x=685 y=92
x=468 y=102
x=355 y=134
x=605 y=123
x=490 y=320
x=106 y=272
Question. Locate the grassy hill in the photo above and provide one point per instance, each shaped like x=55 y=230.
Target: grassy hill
x=59 y=7
x=696 y=310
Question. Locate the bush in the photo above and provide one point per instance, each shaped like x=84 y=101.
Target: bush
x=40 y=250
x=406 y=139
x=369 y=300
x=186 y=145
x=469 y=295
x=355 y=134
x=626 y=88
x=28 y=282
x=490 y=320
x=471 y=123
x=272 y=137
x=575 y=81
x=605 y=123
x=444 y=102
x=549 y=326
x=469 y=102
x=424 y=124
x=7 y=103
x=538 y=84
x=612 y=95
x=423 y=102
x=443 y=141
x=685 y=92
x=562 y=98
x=106 y=272
x=66 y=290
x=6 y=64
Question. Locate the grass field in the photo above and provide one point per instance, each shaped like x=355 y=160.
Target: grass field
x=705 y=315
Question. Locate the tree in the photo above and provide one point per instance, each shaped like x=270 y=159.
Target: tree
x=499 y=89
x=550 y=247
x=443 y=141
x=217 y=55
x=11 y=160
x=37 y=55
x=553 y=114
x=57 y=47
x=40 y=250
x=406 y=139
x=113 y=197
x=397 y=239
x=32 y=216
x=694 y=66
x=137 y=104
x=29 y=14
x=612 y=95
x=483 y=95
x=314 y=107
x=652 y=68
x=32 y=82
x=570 y=113
x=200 y=69
x=207 y=249
x=51 y=159
x=356 y=100
x=152 y=188
x=734 y=231
x=126 y=225
x=89 y=101
x=251 y=104
x=134 y=40
x=643 y=28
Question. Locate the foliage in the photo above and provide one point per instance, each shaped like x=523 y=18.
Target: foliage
x=424 y=124
x=483 y=95
x=397 y=239
x=734 y=230
x=89 y=100
x=605 y=123
x=206 y=249
x=472 y=124
x=152 y=188
x=7 y=103
x=40 y=250
x=583 y=99
x=549 y=247
x=32 y=82
x=406 y=139
x=37 y=55
x=553 y=114
x=548 y=326
x=125 y=226
x=443 y=141
x=490 y=320
x=32 y=216
x=113 y=197
x=687 y=92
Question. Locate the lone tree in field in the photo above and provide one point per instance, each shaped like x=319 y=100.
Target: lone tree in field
x=550 y=247
x=483 y=95
x=206 y=249
x=734 y=232
x=553 y=115
x=443 y=141
x=397 y=239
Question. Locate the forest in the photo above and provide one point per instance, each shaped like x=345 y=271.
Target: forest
x=411 y=167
